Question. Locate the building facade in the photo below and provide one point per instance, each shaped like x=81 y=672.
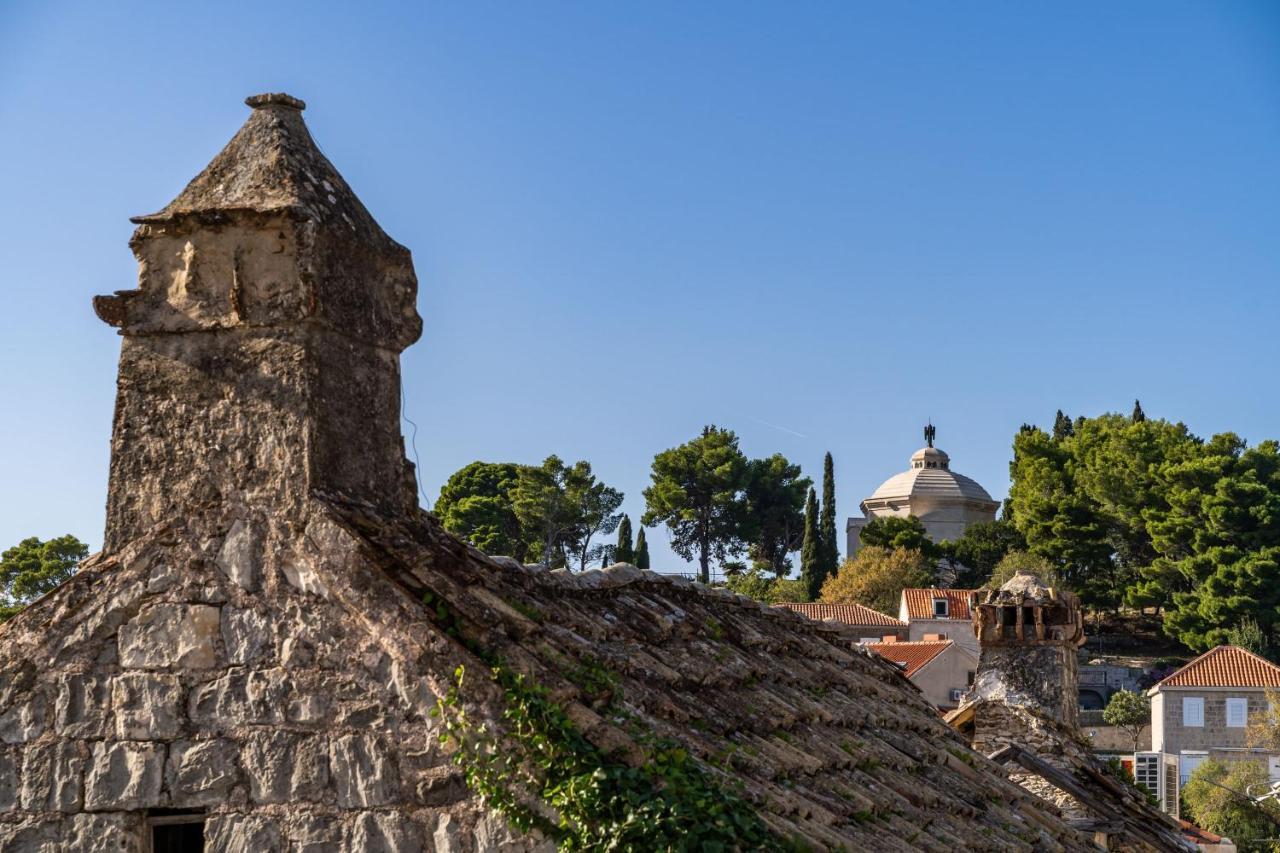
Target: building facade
x=946 y=503
x=942 y=669
x=1204 y=711
x=937 y=612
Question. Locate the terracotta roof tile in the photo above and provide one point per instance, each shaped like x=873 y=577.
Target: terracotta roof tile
x=912 y=656
x=850 y=614
x=1226 y=666
x=920 y=602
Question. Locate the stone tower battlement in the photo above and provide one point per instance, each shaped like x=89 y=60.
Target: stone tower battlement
x=260 y=359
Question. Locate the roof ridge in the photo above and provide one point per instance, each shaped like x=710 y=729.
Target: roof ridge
x=1203 y=659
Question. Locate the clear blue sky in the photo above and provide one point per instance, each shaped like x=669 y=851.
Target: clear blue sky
x=630 y=220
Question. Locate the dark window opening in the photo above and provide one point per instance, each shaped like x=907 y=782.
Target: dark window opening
x=939 y=607
x=1028 y=616
x=178 y=837
x=1009 y=616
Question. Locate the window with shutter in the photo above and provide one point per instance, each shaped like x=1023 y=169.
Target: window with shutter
x=1237 y=712
x=1192 y=711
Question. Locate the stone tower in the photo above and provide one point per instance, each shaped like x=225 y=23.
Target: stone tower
x=1028 y=633
x=260 y=360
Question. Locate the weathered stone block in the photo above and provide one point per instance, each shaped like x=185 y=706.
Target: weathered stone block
x=285 y=767
x=247 y=634
x=202 y=773
x=125 y=776
x=26 y=720
x=238 y=558
x=164 y=635
x=384 y=832
x=315 y=834
x=10 y=761
x=448 y=834
x=236 y=833
x=32 y=836
x=147 y=705
x=104 y=833
x=260 y=696
x=52 y=777
x=303 y=577
x=363 y=770
x=82 y=706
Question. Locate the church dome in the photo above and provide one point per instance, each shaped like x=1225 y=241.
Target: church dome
x=930 y=475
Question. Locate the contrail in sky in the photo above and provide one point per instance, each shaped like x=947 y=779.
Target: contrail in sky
x=775 y=426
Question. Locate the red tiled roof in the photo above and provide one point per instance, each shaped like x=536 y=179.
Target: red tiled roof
x=850 y=614
x=912 y=656
x=1226 y=666
x=920 y=602
x=1193 y=833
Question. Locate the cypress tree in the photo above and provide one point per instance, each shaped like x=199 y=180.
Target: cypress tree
x=1138 y=415
x=811 y=550
x=623 y=552
x=1062 y=427
x=830 y=547
x=642 y=551
x=606 y=557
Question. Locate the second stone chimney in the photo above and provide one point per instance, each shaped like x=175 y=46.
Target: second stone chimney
x=260 y=360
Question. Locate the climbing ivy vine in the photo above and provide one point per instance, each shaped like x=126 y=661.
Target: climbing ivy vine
x=542 y=774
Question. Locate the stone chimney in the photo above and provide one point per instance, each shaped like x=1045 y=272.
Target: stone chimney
x=260 y=360
x=1028 y=634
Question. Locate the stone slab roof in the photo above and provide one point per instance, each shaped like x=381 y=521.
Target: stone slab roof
x=918 y=603
x=834 y=745
x=912 y=656
x=1225 y=666
x=849 y=614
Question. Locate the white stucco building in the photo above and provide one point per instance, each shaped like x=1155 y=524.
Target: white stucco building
x=946 y=502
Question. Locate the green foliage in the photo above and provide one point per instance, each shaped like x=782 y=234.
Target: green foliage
x=758 y=584
x=697 y=491
x=475 y=504
x=897 y=532
x=1130 y=712
x=1215 y=798
x=981 y=548
x=773 y=520
x=1062 y=427
x=542 y=773
x=1022 y=561
x=623 y=552
x=1248 y=634
x=561 y=508
x=642 y=550
x=811 y=548
x=827 y=521
x=876 y=576
x=31 y=568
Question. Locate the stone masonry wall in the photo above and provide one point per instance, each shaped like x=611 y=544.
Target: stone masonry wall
x=228 y=674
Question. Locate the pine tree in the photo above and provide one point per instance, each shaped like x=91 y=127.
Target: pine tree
x=1138 y=415
x=1062 y=427
x=827 y=522
x=623 y=552
x=642 y=551
x=811 y=550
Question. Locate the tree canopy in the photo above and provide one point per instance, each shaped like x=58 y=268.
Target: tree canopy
x=811 y=549
x=830 y=557
x=1130 y=712
x=697 y=492
x=980 y=549
x=876 y=576
x=773 y=512
x=1139 y=511
x=476 y=503
x=31 y=568
x=895 y=531
x=1215 y=799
